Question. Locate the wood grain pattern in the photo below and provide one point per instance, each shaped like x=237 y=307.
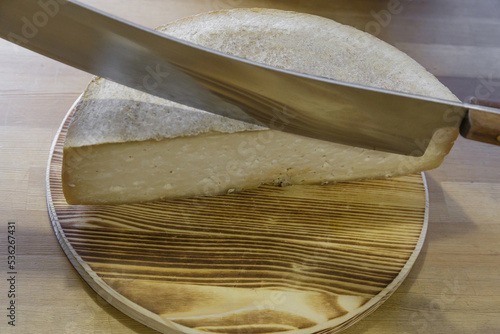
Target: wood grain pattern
x=453 y=286
x=272 y=259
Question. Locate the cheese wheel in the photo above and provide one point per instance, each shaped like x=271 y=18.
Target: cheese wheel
x=126 y=146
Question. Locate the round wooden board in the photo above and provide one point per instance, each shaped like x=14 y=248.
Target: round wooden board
x=300 y=259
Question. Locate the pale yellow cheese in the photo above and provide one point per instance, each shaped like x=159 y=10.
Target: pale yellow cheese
x=126 y=146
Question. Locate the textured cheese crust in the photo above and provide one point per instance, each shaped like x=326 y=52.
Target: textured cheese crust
x=127 y=146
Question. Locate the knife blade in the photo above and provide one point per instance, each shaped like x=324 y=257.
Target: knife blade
x=141 y=58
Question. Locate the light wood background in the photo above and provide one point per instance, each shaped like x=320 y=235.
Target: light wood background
x=453 y=287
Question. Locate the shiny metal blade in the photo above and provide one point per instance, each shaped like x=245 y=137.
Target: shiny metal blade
x=144 y=59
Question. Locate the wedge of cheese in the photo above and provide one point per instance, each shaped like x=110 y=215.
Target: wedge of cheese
x=126 y=146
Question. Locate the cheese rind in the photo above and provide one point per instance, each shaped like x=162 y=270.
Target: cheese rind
x=126 y=146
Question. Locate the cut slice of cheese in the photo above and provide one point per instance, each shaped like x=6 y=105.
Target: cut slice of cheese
x=126 y=146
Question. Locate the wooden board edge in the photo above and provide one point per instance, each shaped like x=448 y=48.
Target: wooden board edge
x=340 y=324
x=125 y=306
x=155 y=322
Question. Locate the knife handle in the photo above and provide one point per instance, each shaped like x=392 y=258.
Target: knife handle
x=482 y=125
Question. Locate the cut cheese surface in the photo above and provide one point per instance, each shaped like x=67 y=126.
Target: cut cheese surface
x=125 y=146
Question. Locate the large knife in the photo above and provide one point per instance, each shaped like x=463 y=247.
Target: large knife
x=141 y=58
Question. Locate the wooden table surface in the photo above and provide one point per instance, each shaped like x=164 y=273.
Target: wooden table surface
x=454 y=286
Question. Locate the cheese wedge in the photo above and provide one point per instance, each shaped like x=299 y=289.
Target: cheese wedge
x=125 y=146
